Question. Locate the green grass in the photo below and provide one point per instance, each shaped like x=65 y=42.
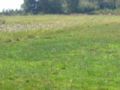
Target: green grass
x=68 y=53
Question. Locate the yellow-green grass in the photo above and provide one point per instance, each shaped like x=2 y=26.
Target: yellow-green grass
x=77 y=52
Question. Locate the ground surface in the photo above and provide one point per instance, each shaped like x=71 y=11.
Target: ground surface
x=60 y=52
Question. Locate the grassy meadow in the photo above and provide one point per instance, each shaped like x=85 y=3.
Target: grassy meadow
x=60 y=52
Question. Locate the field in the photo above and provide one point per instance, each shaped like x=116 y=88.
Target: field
x=60 y=52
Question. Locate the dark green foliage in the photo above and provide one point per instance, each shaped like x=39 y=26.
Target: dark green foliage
x=65 y=6
x=107 y=4
x=68 y=6
x=73 y=5
x=30 y=6
x=44 y=6
x=51 y=6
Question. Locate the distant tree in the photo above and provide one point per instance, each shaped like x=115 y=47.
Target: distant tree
x=51 y=6
x=55 y=6
x=110 y=4
x=30 y=6
x=73 y=5
x=11 y=12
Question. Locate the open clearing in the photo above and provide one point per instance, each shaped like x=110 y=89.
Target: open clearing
x=60 y=52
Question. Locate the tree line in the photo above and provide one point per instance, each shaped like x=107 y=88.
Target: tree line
x=64 y=6
x=68 y=6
